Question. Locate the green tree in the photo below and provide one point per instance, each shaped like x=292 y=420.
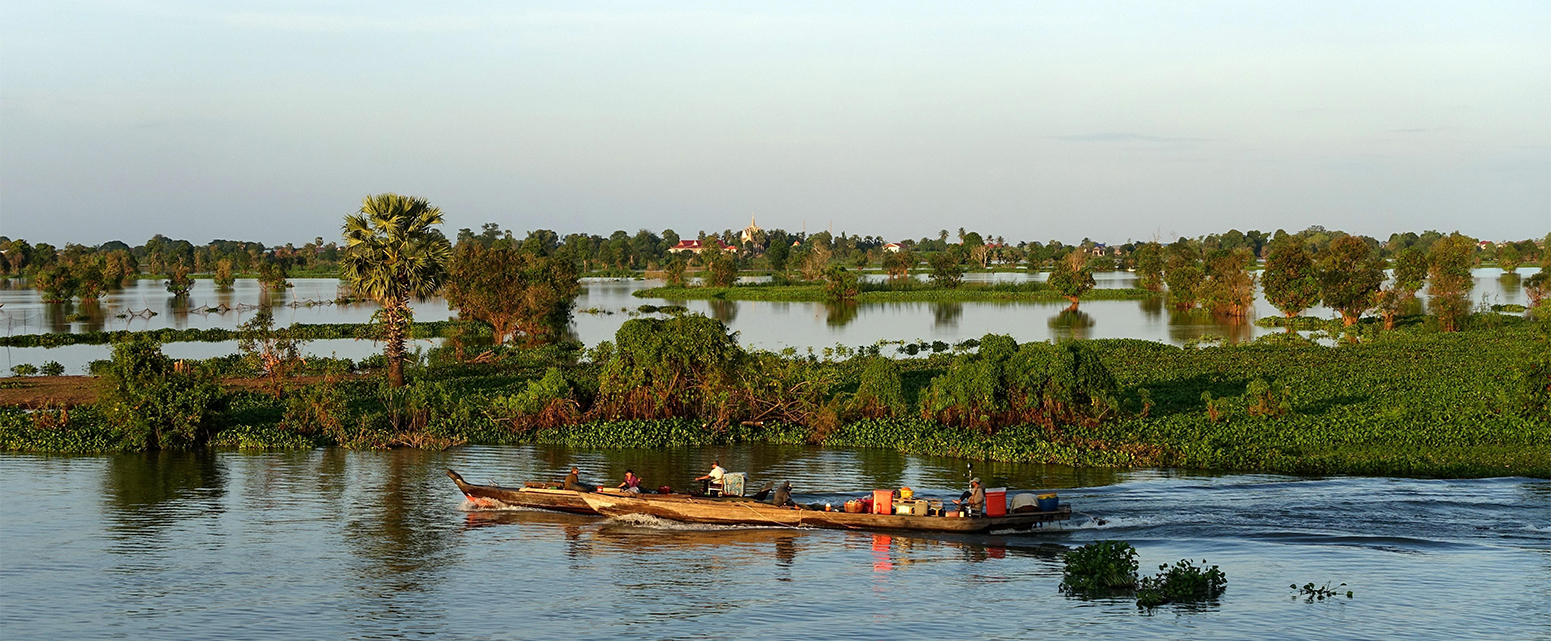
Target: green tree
x=271 y=351
x=513 y=291
x=92 y=283
x=393 y=251
x=154 y=402
x=840 y=284
x=178 y=282
x=1149 y=266
x=1230 y=288
x=898 y=264
x=58 y=283
x=1508 y=258
x=1449 y=261
x=721 y=268
x=1072 y=277
x=673 y=272
x=1184 y=275
x=1291 y=280
x=224 y=278
x=1350 y=273
x=946 y=270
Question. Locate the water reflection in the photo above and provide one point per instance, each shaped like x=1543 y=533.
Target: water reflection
x=946 y=315
x=147 y=492
x=725 y=311
x=838 y=314
x=1071 y=323
x=1152 y=307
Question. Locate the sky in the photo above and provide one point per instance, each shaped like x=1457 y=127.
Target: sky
x=270 y=121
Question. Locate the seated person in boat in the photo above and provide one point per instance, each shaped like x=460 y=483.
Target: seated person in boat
x=974 y=501
x=573 y=482
x=632 y=483
x=713 y=479
x=783 y=496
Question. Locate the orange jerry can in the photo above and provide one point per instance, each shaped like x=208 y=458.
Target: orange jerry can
x=996 y=501
x=883 y=501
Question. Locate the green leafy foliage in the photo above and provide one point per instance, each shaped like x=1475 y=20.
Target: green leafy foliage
x=24 y=369
x=881 y=392
x=1350 y=273
x=840 y=284
x=1183 y=582
x=52 y=368
x=156 y=403
x=947 y=270
x=1449 y=261
x=1072 y=276
x=1291 y=281
x=1099 y=569
x=514 y=292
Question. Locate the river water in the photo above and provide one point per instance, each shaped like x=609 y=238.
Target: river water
x=605 y=304
x=332 y=544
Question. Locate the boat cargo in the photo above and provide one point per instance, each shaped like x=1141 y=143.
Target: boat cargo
x=742 y=511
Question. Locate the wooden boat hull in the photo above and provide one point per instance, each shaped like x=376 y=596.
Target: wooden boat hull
x=747 y=512
x=540 y=498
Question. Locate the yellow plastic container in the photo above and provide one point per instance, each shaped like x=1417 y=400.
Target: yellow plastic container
x=905 y=494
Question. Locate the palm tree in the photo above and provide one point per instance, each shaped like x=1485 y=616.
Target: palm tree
x=392 y=252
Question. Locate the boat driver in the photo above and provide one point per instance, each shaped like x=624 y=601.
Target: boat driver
x=713 y=479
x=573 y=482
x=974 y=501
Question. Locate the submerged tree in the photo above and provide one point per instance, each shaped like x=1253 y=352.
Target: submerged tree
x=58 y=283
x=1230 y=288
x=897 y=264
x=1072 y=277
x=946 y=270
x=1149 y=266
x=393 y=251
x=721 y=267
x=1291 y=280
x=1448 y=270
x=513 y=291
x=224 y=278
x=178 y=281
x=1350 y=273
x=840 y=284
x=1184 y=274
x=1508 y=258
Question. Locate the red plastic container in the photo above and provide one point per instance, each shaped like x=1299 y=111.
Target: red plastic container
x=883 y=501
x=996 y=501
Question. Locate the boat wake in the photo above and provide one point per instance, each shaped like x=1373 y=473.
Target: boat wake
x=490 y=505
x=659 y=523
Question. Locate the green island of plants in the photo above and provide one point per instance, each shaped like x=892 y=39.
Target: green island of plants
x=1409 y=402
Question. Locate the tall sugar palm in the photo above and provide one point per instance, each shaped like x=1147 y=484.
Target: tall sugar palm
x=393 y=252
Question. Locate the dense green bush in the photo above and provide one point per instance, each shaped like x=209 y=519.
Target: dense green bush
x=1008 y=384
x=1099 y=568
x=52 y=368
x=154 y=402
x=1182 y=582
x=881 y=391
x=24 y=369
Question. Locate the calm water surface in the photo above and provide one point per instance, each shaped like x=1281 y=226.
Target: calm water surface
x=330 y=544
x=605 y=304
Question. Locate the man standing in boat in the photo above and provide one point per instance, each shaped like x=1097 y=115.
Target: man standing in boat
x=975 y=499
x=712 y=479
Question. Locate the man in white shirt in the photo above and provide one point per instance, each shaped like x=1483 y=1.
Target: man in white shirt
x=713 y=479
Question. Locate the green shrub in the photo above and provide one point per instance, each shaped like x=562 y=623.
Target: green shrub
x=1532 y=389
x=53 y=368
x=1099 y=568
x=881 y=392
x=1182 y=582
x=156 y=403
x=24 y=369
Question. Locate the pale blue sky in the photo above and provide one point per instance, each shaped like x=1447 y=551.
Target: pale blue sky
x=1032 y=120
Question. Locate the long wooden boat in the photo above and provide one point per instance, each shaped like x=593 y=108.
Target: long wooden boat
x=536 y=495
x=732 y=511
